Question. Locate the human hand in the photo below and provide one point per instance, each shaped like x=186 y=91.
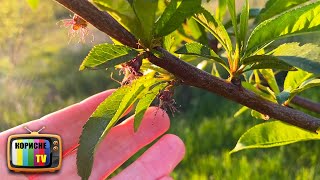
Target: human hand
x=118 y=146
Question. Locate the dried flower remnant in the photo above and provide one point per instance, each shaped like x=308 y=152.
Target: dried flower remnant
x=129 y=78
x=130 y=70
x=166 y=101
x=79 y=27
x=132 y=66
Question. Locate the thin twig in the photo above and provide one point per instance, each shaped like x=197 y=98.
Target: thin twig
x=189 y=74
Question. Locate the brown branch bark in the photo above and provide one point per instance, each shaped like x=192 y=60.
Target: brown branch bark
x=190 y=74
x=306 y=104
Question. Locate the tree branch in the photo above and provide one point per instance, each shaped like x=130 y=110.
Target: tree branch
x=306 y=103
x=189 y=74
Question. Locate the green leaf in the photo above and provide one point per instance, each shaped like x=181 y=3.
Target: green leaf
x=221 y=10
x=93 y=130
x=241 y=111
x=232 y=10
x=266 y=62
x=174 y=15
x=272 y=134
x=257 y=91
x=291 y=83
x=306 y=57
x=145 y=12
x=145 y=102
x=248 y=76
x=216 y=28
x=301 y=20
x=104 y=117
x=168 y=42
x=197 y=31
x=269 y=76
x=130 y=1
x=244 y=23
x=297 y=82
x=123 y=12
x=258 y=115
x=108 y=55
x=215 y=71
x=199 y=50
x=294 y=79
x=33 y=4
x=306 y=85
x=253 y=13
x=276 y=7
x=202 y=65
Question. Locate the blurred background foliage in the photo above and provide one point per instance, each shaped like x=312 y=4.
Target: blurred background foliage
x=39 y=74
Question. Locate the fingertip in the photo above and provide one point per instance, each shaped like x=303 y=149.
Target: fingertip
x=175 y=143
x=158 y=161
x=158 y=114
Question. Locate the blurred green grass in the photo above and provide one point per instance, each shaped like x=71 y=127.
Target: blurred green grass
x=39 y=74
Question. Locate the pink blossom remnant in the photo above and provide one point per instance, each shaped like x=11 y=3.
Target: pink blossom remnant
x=78 y=27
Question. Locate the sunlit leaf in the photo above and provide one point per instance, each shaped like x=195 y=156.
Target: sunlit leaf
x=276 y=7
x=33 y=4
x=145 y=12
x=215 y=27
x=199 y=50
x=244 y=20
x=307 y=84
x=103 y=119
x=108 y=55
x=241 y=111
x=174 y=15
x=221 y=10
x=202 y=65
x=254 y=89
x=94 y=128
x=294 y=79
x=266 y=62
x=145 y=102
x=258 y=115
x=291 y=83
x=123 y=12
x=248 y=75
x=301 y=20
x=215 y=71
x=196 y=31
x=306 y=57
x=253 y=13
x=232 y=10
x=304 y=86
x=168 y=42
x=271 y=79
x=272 y=134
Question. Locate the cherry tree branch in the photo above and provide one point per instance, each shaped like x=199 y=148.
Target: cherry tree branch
x=189 y=74
x=306 y=104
